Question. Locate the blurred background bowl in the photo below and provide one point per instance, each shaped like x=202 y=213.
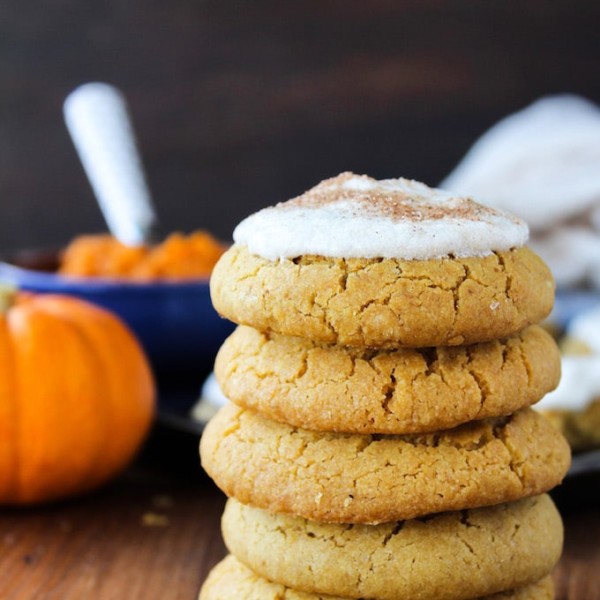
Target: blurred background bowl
x=174 y=320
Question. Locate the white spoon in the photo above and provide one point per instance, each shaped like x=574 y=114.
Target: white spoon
x=97 y=118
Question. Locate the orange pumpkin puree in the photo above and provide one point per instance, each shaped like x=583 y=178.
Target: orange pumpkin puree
x=177 y=257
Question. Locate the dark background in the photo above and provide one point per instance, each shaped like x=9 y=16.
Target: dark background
x=241 y=104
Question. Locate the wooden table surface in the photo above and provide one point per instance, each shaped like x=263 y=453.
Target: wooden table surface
x=154 y=534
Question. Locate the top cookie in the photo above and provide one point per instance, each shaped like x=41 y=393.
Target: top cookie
x=364 y=263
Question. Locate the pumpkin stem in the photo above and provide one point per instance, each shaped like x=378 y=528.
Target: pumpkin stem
x=8 y=293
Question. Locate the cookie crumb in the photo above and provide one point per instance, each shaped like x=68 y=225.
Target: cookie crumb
x=151 y=519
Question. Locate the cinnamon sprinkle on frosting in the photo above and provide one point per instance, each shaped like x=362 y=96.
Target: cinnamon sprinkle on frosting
x=357 y=216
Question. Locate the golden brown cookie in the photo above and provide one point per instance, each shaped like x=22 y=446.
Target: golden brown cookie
x=354 y=478
x=450 y=556
x=356 y=390
x=232 y=580
x=581 y=428
x=385 y=302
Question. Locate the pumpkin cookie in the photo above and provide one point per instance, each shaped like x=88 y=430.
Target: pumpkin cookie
x=385 y=303
x=393 y=263
x=581 y=428
x=232 y=579
x=450 y=556
x=358 y=390
x=575 y=404
x=354 y=478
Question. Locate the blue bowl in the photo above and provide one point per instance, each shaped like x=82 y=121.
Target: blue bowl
x=174 y=320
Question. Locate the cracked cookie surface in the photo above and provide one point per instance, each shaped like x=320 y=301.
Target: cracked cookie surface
x=385 y=302
x=353 y=478
x=451 y=556
x=357 y=390
x=232 y=579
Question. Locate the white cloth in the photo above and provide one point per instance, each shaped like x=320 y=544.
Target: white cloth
x=543 y=165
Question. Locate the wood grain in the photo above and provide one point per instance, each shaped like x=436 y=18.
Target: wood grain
x=141 y=538
x=577 y=575
x=155 y=534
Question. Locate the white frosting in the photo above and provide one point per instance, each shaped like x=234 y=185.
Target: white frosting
x=585 y=328
x=540 y=163
x=211 y=392
x=210 y=401
x=580 y=377
x=573 y=253
x=579 y=384
x=354 y=216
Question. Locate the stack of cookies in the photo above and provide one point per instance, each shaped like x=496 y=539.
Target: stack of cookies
x=380 y=442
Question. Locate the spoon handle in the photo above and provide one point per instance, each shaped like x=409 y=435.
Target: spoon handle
x=97 y=118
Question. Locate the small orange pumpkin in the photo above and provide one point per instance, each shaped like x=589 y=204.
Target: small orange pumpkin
x=76 y=397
